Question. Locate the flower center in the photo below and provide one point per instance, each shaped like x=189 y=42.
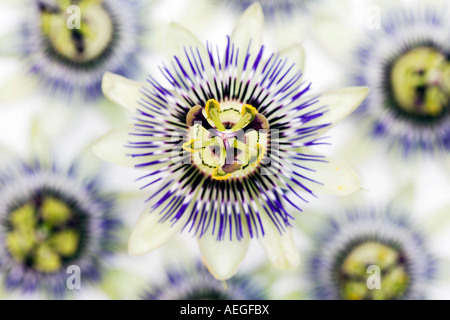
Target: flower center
x=354 y=275
x=79 y=33
x=421 y=82
x=43 y=233
x=226 y=141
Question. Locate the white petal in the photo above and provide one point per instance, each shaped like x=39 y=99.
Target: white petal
x=301 y=24
x=111 y=147
x=178 y=38
x=249 y=26
x=295 y=54
x=149 y=232
x=331 y=176
x=196 y=17
x=123 y=91
x=222 y=258
x=153 y=228
x=280 y=248
x=339 y=104
x=113 y=114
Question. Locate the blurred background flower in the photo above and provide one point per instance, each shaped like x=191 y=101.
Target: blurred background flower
x=196 y=283
x=66 y=46
x=61 y=227
x=52 y=219
x=400 y=50
x=373 y=254
x=407 y=64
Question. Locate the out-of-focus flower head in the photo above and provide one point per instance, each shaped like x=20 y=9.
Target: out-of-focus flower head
x=52 y=219
x=198 y=284
x=370 y=255
x=226 y=145
x=402 y=54
x=407 y=63
x=66 y=46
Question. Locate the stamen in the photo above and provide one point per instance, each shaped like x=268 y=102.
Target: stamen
x=81 y=44
x=212 y=112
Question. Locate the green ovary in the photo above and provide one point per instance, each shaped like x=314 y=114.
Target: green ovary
x=225 y=155
x=353 y=273
x=421 y=82
x=78 y=35
x=41 y=234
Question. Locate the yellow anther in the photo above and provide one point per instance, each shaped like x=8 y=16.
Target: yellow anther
x=211 y=103
x=212 y=109
x=261 y=151
x=248 y=114
x=188 y=145
x=217 y=176
x=248 y=108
